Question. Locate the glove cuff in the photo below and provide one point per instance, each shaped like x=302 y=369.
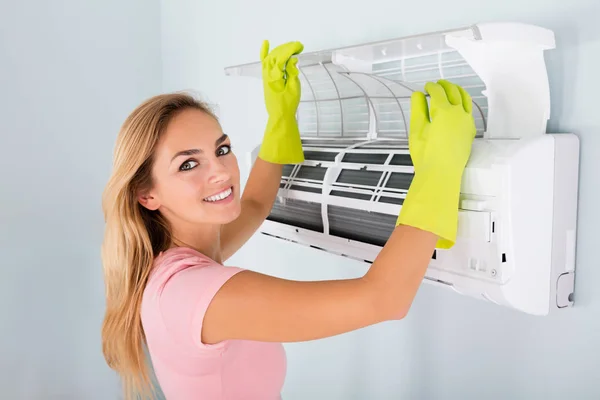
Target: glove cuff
x=431 y=204
x=281 y=142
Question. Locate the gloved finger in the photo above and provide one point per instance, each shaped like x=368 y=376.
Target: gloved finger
x=419 y=115
x=452 y=92
x=271 y=74
x=438 y=98
x=283 y=53
x=264 y=50
x=276 y=79
x=292 y=67
x=293 y=82
x=467 y=101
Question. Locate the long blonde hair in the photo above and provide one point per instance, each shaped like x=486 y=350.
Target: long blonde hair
x=133 y=236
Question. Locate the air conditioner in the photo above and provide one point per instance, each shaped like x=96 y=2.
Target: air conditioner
x=517 y=225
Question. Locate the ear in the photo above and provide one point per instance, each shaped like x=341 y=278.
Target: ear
x=148 y=200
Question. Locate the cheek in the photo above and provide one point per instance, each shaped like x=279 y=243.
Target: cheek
x=194 y=183
x=186 y=187
x=233 y=167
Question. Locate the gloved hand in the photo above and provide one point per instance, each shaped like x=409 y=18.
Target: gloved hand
x=281 y=141
x=440 y=140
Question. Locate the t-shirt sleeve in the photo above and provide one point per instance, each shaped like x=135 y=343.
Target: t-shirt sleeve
x=184 y=299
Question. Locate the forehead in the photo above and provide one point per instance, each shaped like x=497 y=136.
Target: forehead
x=190 y=129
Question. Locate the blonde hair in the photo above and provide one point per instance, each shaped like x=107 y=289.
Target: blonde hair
x=133 y=236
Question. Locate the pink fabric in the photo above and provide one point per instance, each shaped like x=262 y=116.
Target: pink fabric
x=175 y=300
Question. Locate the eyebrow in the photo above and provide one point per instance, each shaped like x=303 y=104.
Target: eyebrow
x=221 y=139
x=190 y=152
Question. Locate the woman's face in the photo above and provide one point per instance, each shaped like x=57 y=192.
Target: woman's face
x=196 y=175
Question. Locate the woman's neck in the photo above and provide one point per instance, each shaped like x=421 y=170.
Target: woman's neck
x=204 y=239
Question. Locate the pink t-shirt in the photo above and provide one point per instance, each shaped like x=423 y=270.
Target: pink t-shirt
x=180 y=288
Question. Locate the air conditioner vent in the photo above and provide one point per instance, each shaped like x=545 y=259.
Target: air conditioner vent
x=385 y=144
x=306 y=178
x=287 y=170
x=399 y=180
x=391 y=200
x=309 y=143
x=310 y=189
x=363 y=226
x=298 y=213
x=359 y=177
x=401 y=159
x=364 y=158
x=351 y=195
x=311 y=155
x=311 y=173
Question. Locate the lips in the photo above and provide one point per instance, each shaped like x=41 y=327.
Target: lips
x=220 y=196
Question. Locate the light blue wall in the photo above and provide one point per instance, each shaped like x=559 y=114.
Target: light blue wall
x=449 y=347
x=70 y=72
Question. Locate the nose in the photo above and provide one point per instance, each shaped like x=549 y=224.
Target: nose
x=218 y=172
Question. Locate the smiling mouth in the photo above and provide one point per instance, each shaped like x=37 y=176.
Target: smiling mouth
x=224 y=195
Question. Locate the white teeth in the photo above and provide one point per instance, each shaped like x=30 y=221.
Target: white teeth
x=219 y=196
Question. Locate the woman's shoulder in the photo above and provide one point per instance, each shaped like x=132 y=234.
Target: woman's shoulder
x=182 y=262
x=179 y=289
x=181 y=256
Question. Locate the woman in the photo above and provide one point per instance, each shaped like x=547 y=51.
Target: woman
x=174 y=213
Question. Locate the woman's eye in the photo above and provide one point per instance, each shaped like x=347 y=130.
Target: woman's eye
x=223 y=150
x=186 y=166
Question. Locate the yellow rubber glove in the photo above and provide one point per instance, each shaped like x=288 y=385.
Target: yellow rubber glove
x=281 y=141
x=440 y=141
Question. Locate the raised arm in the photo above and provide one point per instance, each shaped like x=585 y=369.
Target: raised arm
x=281 y=145
x=254 y=306
x=257 y=201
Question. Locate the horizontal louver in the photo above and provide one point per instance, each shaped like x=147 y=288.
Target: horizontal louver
x=364 y=158
x=319 y=155
x=308 y=143
x=359 y=177
x=401 y=159
x=369 y=227
x=298 y=213
x=399 y=181
x=312 y=173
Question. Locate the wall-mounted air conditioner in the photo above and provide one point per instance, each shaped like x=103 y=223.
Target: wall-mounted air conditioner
x=517 y=224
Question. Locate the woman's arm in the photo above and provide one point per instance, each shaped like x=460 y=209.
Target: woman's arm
x=257 y=202
x=253 y=306
x=281 y=144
